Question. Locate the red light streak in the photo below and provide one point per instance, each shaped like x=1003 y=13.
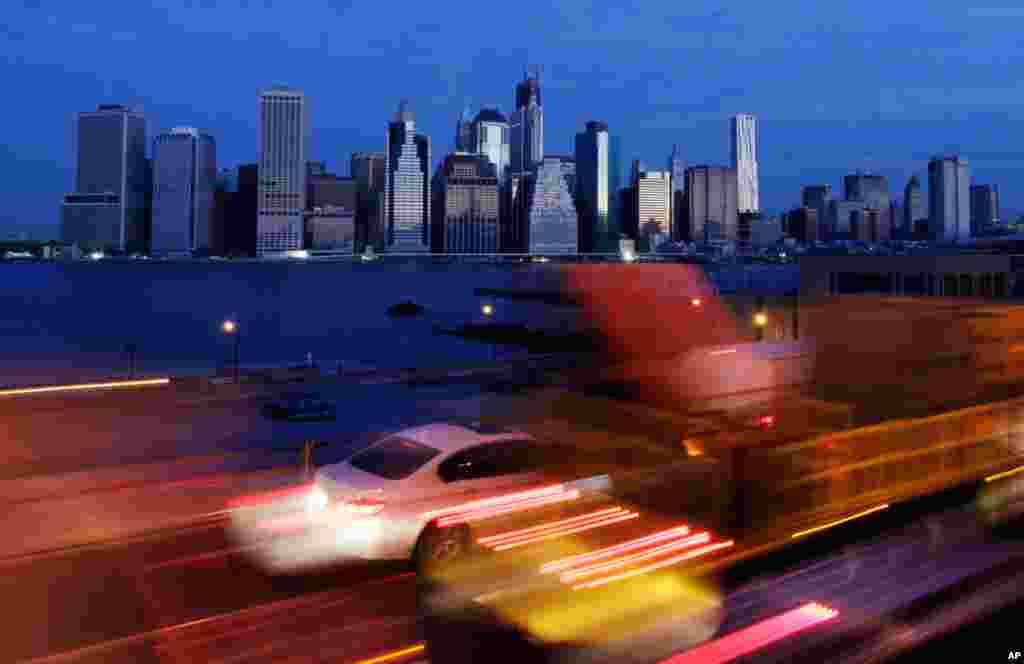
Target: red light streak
x=749 y=639
x=590 y=570
x=689 y=555
x=600 y=554
x=626 y=516
x=546 y=526
x=462 y=507
x=260 y=498
x=508 y=508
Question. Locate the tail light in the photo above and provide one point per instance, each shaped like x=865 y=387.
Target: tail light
x=767 y=421
x=363 y=506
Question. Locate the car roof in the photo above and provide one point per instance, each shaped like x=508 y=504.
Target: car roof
x=451 y=437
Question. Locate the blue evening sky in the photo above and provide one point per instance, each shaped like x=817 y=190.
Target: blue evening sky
x=838 y=86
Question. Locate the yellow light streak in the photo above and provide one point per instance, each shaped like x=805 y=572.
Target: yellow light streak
x=397 y=654
x=858 y=515
x=1008 y=473
x=84 y=387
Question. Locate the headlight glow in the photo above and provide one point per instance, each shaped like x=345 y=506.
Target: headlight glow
x=317 y=500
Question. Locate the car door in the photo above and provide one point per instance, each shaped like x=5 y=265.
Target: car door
x=487 y=468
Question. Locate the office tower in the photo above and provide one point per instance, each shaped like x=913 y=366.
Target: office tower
x=464 y=132
x=801 y=224
x=744 y=162
x=614 y=187
x=567 y=163
x=489 y=136
x=677 y=169
x=107 y=209
x=872 y=190
x=748 y=224
x=949 y=199
x=984 y=208
x=368 y=172
x=654 y=206
x=512 y=210
x=330 y=228
x=817 y=196
x=407 y=185
x=283 y=147
x=465 y=215
x=527 y=125
x=184 y=181
x=913 y=204
x=592 y=181
x=551 y=223
x=711 y=204
x=241 y=212
x=842 y=219
x=896 y=216
x=324 y=189
x=868 y=224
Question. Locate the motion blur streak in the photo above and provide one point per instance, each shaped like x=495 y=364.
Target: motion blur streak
x=392 y=656
x=270 y=496
x=627 y=516
x=1009 y=473
x=81 y=387
x=512 y=534
x=600 y=554
x=591 y=570
x=508 y=508
x=747 y=640
x=658 y=565
x=831 y=524
x=488 y=502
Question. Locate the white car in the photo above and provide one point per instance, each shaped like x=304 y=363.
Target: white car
x=414 y=494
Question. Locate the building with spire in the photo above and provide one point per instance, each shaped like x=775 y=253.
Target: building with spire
x=407 y=185
x=527 y=125
x=677 y=171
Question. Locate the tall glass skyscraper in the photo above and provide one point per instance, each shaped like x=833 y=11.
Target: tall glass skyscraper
x=711 y=195
x=744 y=162
x=949 y=204
x=592 y=188
x=551 y=222
x=184 y=181
x=407 y=185
x=283 y=150
x=527 y=139
x=108 y=207
x=913 y=204
x=654 y=206
x=490 y=137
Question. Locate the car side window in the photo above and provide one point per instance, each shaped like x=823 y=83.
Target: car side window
x=511 y=457
x=470 y=464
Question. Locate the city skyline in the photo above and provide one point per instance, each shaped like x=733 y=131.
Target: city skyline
x=887 y=119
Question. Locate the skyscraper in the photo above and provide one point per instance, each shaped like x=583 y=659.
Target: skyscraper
x=283 y=148
x=872 y=190
x=368 y=171
x=744 y=162
x=615 y=226
x=527 y=126
x=107 y=210
x=464 y=132
x=654 y=206
x=592 y=188
x=949 y=199
x=817 y=196
x=184 y=182
x=711 y=200
x=489 y=134
x=407 y=185
x=551 y=222
x=984 y=208
x=913 y=204
x=677 y=169
x=465 y=215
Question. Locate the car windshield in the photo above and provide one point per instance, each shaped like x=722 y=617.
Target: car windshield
x=393 y=458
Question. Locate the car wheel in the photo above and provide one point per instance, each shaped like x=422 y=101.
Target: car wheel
x=438 y=547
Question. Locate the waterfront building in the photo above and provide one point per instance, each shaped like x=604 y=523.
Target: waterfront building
x=592 y=171
x=984 y=208
x=949 y=200
x=712 y=204
x=107 y=210
x=465 y=215
x=407 y=185
x=283 y=148
x=817 y=196
x=489 y=136
x=913 y=204
x=331 y=228
x=677 y=170
x=801 y=224
x=654 y=206
x=871 y=190
x=527 y=125
x=842 y=219
x=551 y=222
x=184 y=184
x=368 y=172
x=744 y=162
x=326 y=189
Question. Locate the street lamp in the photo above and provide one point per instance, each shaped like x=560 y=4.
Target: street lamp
x=696 y=302
x=760 y=321
x=230 y=328
x=488 y=310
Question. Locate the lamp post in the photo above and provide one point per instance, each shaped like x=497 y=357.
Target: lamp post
x=760 y=322
x=230 y=328
x=488 y=310
x=131 y=348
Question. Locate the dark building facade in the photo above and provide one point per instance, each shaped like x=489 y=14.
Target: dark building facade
x=465 y=199
x=237 y=212
x=368 y=173
x=913 y=204
x=801 y=224
x=984 y=208
x=593 y=189
x=711 y=201
x=817 y=196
